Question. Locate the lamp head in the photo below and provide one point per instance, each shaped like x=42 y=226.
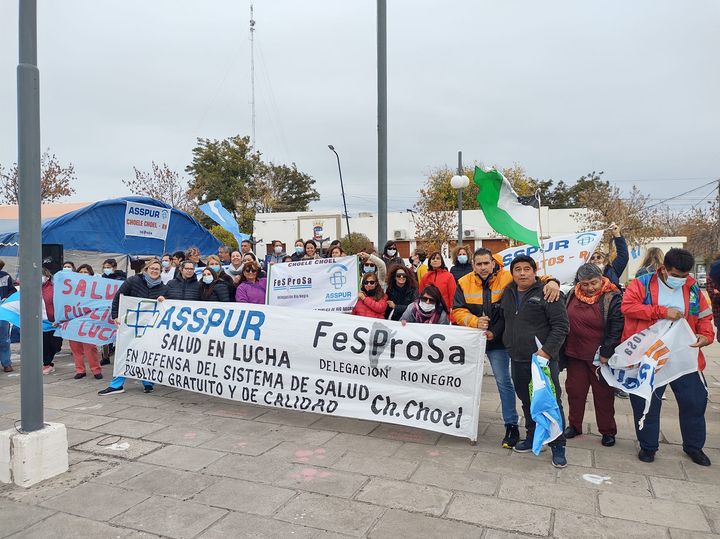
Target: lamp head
x=331 y=147
x=459 y=182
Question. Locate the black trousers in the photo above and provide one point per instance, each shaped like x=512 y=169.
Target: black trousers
x=521 y=373
x=51 y=346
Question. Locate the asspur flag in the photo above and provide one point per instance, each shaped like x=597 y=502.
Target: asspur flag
x=215 y=210
x=503 y=209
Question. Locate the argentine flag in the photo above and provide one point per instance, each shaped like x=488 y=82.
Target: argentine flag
x=215 y=210
x=544 y=408
x=10 y=312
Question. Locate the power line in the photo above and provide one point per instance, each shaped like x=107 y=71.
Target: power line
x=681 y=194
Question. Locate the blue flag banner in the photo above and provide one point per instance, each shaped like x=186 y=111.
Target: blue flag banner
x=82 y=307
x=10 y=312
x=544 y=408
x=224 y=218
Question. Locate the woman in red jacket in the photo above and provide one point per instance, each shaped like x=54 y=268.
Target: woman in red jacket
x=439 y=276
x=372 y=301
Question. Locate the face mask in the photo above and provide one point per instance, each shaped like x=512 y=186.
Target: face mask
x=391 y=252
x=215 y=268
x=44 y=279
x=107 y=271
x=462 y=259
x=67 y=269
x=368 y=269
x=299 y=250
x=165 y=264
x=601 y=266
x=207 y=279
x=278 y=250
x=426 y=307
x=675 y=282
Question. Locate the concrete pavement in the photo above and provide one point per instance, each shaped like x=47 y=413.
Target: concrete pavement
x=183 y=465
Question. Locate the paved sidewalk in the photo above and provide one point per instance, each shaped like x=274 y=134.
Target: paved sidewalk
x=178 y=464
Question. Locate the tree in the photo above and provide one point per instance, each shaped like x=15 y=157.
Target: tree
x=285 y=189
x=55 y=180
x=161 y=183
x=354 y=242
x=225 y=237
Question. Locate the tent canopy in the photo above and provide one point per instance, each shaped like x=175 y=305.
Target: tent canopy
x=100 y=227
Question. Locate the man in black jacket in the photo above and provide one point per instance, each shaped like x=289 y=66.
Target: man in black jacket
x=527 y=316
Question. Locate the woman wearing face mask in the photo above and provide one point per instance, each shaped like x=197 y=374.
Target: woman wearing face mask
x=168 y=269
x=213 y=262
x=310 y=250
x=212 y=288
x=68 y=266
x=429 y=308
x=461 y=264
x=148 y=285
x=278 y=253
x=439 y=276
x=402 y=290
x=372 y=301
x=81 y=350
x=390 y=255
x=613 y=270
x=252 y=287
x=299 y=250
x=51 y=343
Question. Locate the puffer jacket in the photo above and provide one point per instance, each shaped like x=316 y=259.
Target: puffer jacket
x=188 y=289
x=136 y=287
x=460 y=270
x=402 y=297
x=217 y=291
x=370 y=307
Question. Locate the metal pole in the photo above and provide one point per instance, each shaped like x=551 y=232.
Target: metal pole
x=28 y=116
x=342 y=188
x=717 y=224
x=382 y=119
x=460 y=193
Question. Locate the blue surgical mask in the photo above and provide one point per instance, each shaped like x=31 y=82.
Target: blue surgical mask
x=462 y=259
x=207 y=279
x=368 y=269
x=216 y=269
x=67 y=269
x=299 y=249
x=165 y=264
x=675 y=282
x=107 y=271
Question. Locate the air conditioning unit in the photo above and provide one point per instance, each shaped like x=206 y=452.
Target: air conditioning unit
x=469 y=233
x=400 y=234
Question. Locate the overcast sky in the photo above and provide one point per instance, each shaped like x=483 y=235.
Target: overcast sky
x=560 y=87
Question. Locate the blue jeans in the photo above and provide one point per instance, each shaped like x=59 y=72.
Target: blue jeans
x=500 y=363
x=119 y=381
x=5 y=343
x=691 y=395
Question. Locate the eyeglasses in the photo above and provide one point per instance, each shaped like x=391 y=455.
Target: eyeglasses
x=400 y=276
x=250 y=270
x=426 y=299
x=371 y=283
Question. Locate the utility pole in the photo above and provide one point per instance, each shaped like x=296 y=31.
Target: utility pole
x=28 y=118
x=460 y=201
x=382 y=119
x=252 y=72
x=717 y=224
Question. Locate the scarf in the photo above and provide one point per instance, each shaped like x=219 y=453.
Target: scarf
x=424 y=318
x=150 y=281
x=606 y=287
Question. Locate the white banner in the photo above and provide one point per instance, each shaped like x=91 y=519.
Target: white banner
x=325 y=284
x=419 y=375
x=563 y=254
x=146 y=221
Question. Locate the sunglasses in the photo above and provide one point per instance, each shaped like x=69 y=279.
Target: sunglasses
x=400 y=276
x=371 y=283
x=426 y=299
x=250 y=270
x=597 y=257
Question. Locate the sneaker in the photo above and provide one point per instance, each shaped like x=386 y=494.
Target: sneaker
x=620 y=394
x=80 y=375
x=104 y=362
x=571 y=432
x=111 y=391
x=558 y=456
x=8 y=368
x=148 y=389
x=512 y=436
x=698 y=457
x=608 y=440
x=98 y=376
x=646 y=456
x=523 y=446
x=48 y=369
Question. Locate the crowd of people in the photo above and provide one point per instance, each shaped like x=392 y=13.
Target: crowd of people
x=514 y=307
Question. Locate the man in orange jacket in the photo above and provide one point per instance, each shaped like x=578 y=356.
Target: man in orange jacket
x=671 y=293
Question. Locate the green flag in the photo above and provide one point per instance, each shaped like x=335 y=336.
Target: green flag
x=503 y=210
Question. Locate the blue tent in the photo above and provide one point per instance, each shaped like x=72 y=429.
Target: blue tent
x=100 y=227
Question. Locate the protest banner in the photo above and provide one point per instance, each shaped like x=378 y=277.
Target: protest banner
x=82 y=307
x=418 y=375
x=651 y=359
x=146 y=221
x=563 y=254
x=324 y=284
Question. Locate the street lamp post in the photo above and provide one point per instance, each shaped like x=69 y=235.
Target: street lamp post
x=342 y=188
x=459 y=182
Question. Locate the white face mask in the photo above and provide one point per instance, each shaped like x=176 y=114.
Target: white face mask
x=107 y=271
x=426 y=307
x=391 y=252
x=278 y=249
